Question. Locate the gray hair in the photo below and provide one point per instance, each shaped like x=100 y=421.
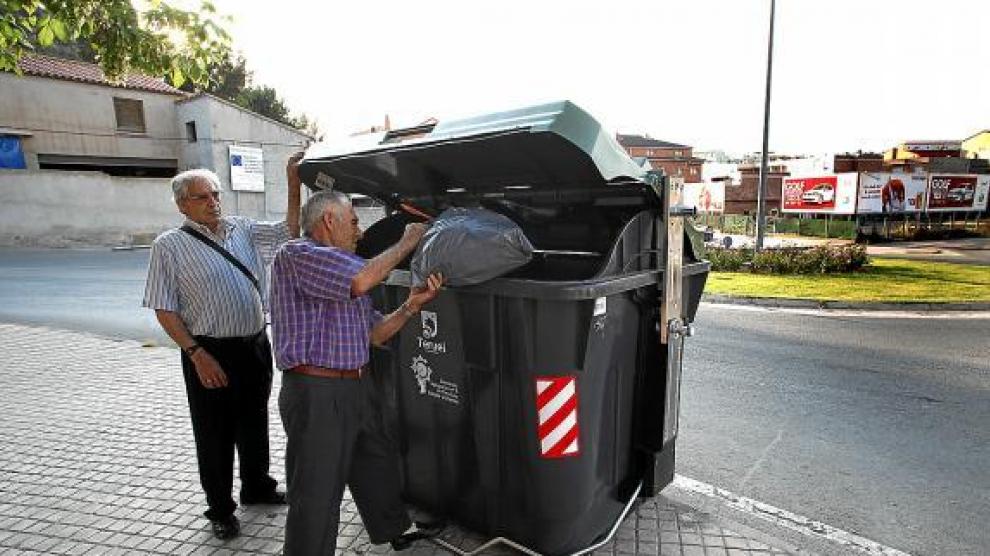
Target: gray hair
x=181 y=182
x=317 y=204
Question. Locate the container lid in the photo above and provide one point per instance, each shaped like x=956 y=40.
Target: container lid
x=541 y=148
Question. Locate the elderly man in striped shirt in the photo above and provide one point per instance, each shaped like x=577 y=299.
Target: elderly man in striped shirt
x=213 y=308
x=323 y=324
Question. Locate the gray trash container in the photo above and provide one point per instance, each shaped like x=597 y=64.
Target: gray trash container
x=538 y=405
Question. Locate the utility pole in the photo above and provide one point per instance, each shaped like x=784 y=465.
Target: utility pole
x=761 y=194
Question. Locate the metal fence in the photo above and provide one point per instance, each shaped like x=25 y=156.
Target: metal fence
x=906 y=226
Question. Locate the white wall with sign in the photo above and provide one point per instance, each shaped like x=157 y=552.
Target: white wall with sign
x=247 y=168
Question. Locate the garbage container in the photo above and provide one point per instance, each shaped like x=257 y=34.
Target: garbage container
x=535 y=406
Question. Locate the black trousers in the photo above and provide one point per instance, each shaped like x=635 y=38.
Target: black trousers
x=336 y=438
x=234 y=416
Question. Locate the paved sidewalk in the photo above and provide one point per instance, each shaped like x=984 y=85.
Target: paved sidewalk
x=98 y=458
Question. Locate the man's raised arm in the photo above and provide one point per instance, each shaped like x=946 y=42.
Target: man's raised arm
x=294 y=187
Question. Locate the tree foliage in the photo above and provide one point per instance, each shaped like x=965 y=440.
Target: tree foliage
x=226 y=78
x=230 y=79
x=147 y=36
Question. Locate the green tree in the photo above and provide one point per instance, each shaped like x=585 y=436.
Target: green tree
x=265 y=101
x=230 y=79
x=308 y=126
x=148 y=36
x=227 y=78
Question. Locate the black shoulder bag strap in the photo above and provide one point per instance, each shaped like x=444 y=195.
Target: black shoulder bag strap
x=226 y=254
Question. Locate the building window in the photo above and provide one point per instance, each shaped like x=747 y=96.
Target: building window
x=191 y=132
x=130 y=114
x=678 y=154
x=649 y=153
x=694 y=171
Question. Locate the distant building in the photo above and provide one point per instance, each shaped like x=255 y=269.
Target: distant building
x=977 y=145
x=741 y=198
x=909 y=150
x=673 y=158
x=969 y=156
x=858 y=162
x=92 y=158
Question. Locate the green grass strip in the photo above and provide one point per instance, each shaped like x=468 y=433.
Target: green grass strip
x=883 y=280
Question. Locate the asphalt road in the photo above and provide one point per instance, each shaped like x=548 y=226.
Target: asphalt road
x=878 y=426
x=96 y=290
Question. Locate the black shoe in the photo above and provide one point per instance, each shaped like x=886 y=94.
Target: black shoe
x=405 y=540
x=273 y=498
x=226 y=528
x=424 y=530
x=430 y=528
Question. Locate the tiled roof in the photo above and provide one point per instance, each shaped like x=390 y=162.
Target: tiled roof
x=72 y=70
x=643 y=141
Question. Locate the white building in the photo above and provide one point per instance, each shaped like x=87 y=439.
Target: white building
x=89 y=161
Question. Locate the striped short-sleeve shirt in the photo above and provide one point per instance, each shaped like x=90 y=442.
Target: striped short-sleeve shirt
x=211 y=296
x=315 y=320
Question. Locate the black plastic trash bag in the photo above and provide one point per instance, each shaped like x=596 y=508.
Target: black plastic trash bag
x=470 y=246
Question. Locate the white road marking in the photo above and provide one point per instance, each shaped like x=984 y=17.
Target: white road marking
x=975 y=315
x=784 y=518
x=761 y=459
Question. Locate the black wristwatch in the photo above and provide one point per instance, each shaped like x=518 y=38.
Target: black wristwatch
x=191 y=350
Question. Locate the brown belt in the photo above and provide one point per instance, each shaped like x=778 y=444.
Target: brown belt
x=323 y=372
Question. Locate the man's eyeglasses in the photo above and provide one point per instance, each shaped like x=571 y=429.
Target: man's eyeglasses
x=215 y=195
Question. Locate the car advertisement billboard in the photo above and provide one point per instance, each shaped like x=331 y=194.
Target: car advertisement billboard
x=886 y=193
x=707 y=197
x=951 y=192
x=823 y=194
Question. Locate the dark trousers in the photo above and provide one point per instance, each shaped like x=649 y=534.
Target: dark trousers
x=336 y=438
x=234 y=416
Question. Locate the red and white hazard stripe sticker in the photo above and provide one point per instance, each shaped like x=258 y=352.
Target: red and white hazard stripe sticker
x=557 y=411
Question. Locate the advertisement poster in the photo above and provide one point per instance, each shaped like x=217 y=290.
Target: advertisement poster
x=708 y=198
x=247 y=169
x=823 y=194
x=949 y=192
x=886 y=193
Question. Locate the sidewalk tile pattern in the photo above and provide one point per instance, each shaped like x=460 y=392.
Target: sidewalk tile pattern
x=97 y=458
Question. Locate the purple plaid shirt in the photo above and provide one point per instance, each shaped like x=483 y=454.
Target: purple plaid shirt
x=315 y=321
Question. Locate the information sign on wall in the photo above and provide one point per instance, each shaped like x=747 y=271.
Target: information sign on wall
x=247 y=169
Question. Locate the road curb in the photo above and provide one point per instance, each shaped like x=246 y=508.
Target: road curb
x=789 y=303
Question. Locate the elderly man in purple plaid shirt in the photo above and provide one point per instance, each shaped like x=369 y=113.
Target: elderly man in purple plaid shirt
x=323 y=324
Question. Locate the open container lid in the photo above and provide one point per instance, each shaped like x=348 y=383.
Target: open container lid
x=538 y=149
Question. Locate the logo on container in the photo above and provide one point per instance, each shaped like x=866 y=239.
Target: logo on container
x=429 y=321
x=431 y=328
x=422 y=371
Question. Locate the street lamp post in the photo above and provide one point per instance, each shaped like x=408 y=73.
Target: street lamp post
x=761 y=194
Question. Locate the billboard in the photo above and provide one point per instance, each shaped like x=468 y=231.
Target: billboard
x=950 y=192
x=247 y=169
x=707 y=197
x=886 y=193
x=834 y=194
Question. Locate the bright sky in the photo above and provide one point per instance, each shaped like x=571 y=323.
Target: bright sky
x=847 y=74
